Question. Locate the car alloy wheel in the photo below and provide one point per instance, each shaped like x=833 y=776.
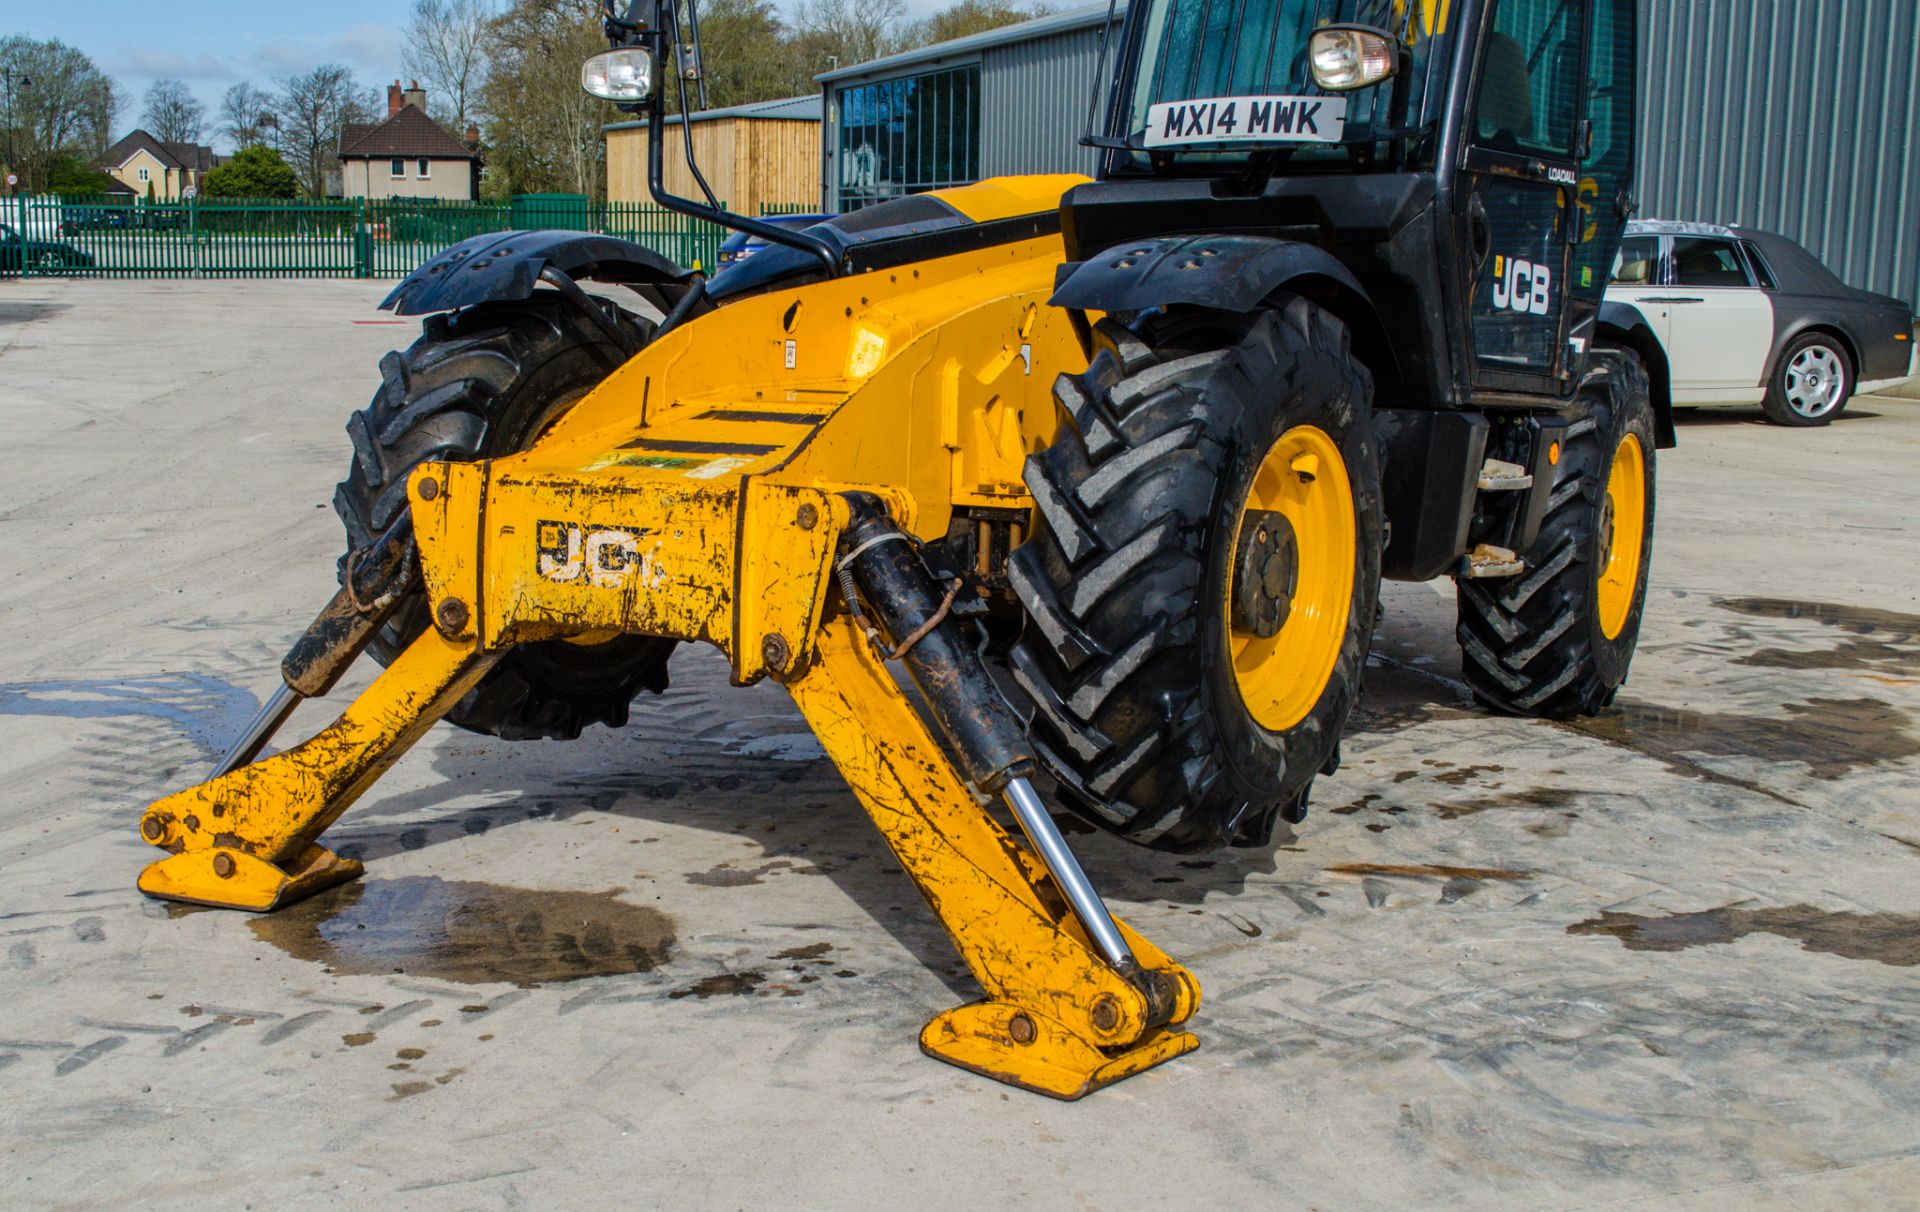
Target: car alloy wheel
x=1816 y=381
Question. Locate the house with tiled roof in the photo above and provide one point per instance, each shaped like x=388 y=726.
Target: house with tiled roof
x=157 y=169
x=409 y=155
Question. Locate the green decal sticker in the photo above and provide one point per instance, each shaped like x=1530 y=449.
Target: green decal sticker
x=657 y=462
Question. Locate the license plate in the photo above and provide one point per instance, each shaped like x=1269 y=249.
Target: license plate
x=1247 y=120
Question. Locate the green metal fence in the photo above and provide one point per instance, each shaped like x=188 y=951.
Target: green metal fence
x=337 y=238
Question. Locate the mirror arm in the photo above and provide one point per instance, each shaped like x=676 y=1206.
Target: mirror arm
x=662 y=38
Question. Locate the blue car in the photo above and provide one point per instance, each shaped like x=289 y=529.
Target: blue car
x=739 y=246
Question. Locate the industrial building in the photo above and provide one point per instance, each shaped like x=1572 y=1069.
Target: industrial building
x=1749 y=117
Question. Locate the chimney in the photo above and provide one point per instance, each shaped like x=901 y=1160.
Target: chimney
x=473 y=136
x=395 y=98
x=416 y=97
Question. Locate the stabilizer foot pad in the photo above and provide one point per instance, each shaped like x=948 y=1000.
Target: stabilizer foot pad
x=1039 y=1053
x=196 y=877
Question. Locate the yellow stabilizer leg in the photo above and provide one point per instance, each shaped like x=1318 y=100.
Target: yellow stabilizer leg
x=247 y=840
x=1058 y=1019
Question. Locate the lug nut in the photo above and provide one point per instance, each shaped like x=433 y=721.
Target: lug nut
x=452 y=616
x=429 y=489
x=808 y=517
x=1106 y=1013
x=223 y=866
x=152 y=828
x=1021 y=1028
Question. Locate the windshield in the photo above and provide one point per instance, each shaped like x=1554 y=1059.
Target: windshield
x=1208 y=50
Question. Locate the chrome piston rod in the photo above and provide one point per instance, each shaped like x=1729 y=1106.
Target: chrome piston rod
x=264 y=724
x=1074 y=884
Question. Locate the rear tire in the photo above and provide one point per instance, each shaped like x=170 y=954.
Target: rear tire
x=1811 y=384
x=478 y=384
x=1556 y=641
x=1132 y=659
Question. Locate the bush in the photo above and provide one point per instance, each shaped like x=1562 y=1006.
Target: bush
x=253 y=172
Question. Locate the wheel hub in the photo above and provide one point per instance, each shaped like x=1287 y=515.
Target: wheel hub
x=1267 y=571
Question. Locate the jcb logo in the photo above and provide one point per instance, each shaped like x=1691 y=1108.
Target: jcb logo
x=1521 y=286
x=602 y=557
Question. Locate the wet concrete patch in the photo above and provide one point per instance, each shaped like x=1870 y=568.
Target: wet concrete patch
x=1828 y=736
x=26 y=312
x=1397 y=698
x=725 y=984
x=1877 y=641
x=1831 y=737
x=470 y=932
x=1889 y=938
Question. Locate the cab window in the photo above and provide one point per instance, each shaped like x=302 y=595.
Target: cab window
x=1638 y=263
x=1703 y=261
x=1530 y=78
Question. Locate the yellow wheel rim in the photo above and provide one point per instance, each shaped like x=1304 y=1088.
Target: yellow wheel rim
x=1623 y=533
x=1282 y=676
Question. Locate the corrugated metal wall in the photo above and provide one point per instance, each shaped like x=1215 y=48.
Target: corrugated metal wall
x=1797 y=116
x=1034 y=103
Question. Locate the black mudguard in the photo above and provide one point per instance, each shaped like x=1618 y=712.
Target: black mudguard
x=1622 y=324
x=1231 y=273
x=504 y=266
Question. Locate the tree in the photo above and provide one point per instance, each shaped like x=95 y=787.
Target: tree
x=75 y=177
x=172 y=114
x=246 y=115
x=312 y=111
x=744 y=54
x=543 y=132
x=974 y=17
x=67 y=110
x=840 y=33
x=253 y=172
x=446 y=45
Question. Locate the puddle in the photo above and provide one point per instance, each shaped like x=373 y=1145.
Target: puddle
x=1888 y=938
x=1831 y=737
x=1878 y=641
x=1428 y=871
x=470 y=932
x=208 y=711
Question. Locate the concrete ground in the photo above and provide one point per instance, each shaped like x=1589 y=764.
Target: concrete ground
x=672 y=966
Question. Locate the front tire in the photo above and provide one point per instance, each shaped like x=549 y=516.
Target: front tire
x=1812 y=383
x=479 y=384
x=1556 y=641
x=1196 y=446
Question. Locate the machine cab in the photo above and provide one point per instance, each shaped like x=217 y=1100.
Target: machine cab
x=1513 y=117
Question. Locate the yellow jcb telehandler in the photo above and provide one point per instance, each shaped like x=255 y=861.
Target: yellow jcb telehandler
x=1111 y=469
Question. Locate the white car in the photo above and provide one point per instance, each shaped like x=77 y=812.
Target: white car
x=1748 y=317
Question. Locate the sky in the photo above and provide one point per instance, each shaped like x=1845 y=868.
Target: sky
x=213 y=44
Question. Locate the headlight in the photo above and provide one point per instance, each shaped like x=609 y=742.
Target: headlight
x=618 y=75
x=1347 y=57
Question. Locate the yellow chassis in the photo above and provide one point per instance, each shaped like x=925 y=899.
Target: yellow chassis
x=696 y=495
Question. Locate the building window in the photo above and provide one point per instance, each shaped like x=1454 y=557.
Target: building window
x=425 y=168
x=398 y=168
x=142 y=172
x=909 y=135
